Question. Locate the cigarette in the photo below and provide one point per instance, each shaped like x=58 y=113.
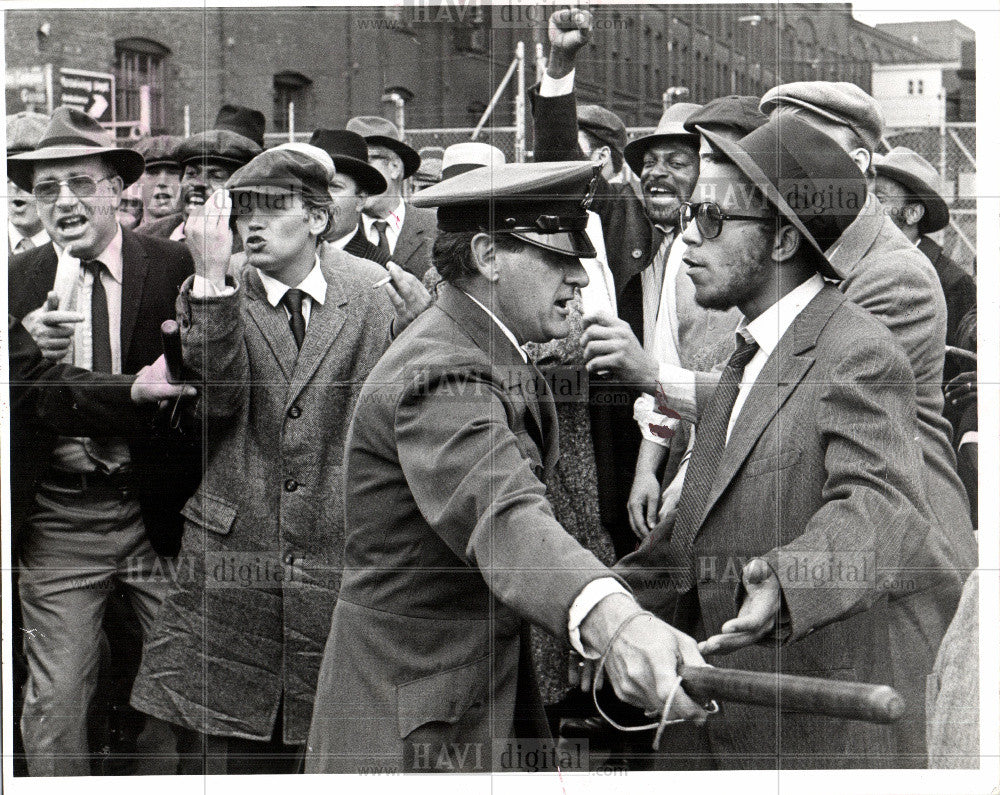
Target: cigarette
x=382 y=282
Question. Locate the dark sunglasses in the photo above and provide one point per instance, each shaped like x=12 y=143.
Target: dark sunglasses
x=709 y=217
x=82 y=186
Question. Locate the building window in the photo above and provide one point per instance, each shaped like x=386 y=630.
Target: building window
x=140 y=63
x=920 y=86
x=289 y=88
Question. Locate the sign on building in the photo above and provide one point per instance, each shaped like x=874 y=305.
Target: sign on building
x=91 y=92
x=28 y=88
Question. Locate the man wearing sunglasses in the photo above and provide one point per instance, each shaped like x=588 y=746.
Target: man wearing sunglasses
x=104 y=509
x=803 y=539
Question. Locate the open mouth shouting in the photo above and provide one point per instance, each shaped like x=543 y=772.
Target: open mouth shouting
x=72 y=226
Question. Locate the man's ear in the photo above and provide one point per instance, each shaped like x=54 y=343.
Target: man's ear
x=484 y=251
x=117 y=188
x=913 y=212
x=359 y=201
x=787 y=241
x=319 y=220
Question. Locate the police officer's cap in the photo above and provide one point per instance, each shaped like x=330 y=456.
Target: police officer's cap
x=544 y=204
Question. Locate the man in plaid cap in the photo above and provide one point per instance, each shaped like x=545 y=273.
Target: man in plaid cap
x=283 y=348
x=161 y=181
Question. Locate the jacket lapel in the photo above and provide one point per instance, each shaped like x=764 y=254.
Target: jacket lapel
x=782 y=374
x=325 y=323
x=272 y=322
x=410 y=238
x=135 y=266
x=30 y=282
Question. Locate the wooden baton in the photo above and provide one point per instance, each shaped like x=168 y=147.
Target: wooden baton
x=170 y=335
x=806 y=694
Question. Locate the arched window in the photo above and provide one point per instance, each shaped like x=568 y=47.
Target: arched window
x=139 y=63
x=290 y=87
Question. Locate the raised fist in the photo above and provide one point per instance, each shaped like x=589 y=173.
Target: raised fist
x=569 y=31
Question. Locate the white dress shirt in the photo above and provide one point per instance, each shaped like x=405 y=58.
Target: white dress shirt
x=766 y=330
x=340 y=243
x=14 y=236
x=394 y=226
x=599 y=294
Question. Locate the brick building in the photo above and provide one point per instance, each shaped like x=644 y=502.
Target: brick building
x=447 y=57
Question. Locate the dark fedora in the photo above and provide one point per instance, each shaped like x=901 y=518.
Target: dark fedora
x=805 y=174
x=350 y=156
x=241 y=120
x=382 y=132
x=670 y=127
x=72 y=133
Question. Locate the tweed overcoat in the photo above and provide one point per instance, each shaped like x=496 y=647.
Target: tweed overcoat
x=259 y=569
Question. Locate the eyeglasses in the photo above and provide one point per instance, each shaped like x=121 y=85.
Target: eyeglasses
x=709 y=217
x=82 y=186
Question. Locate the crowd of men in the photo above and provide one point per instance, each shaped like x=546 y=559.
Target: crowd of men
x=323 y=539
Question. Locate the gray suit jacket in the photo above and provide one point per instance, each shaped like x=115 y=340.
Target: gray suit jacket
x=246 y=622
x=416 y=239
x=821 y=476
x=451 y=545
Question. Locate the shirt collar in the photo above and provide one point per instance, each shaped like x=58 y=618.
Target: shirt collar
x=770 y=326
x=395 y=218
x=40 y=238
x=506 y=331
x=314 y=285
x=110 y=258
x=341 y=242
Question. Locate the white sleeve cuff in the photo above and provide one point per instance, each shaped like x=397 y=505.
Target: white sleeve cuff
x=592 y=593
x=677 y=386
x=556 y=86
x=969 y=437
x=203 y=288
x=654 y=427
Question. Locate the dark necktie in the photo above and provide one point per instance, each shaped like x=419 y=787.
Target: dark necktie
x=100 y=333
x=383 y=240
x=297 y=321
x=710 y=442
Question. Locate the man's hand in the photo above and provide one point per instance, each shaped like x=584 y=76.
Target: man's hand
x=51 y=329
x=643 y=661
x=644 y=503
x=569 y=32
x=408 y=295
x=152 y=384
x=209 y=237
x=962 y=390
x=610 y=346
x=758 y=614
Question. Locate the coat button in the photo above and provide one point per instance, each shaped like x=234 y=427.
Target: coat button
x=289 y=558
x=294 y=412
x=636 y=253
x=291 y=484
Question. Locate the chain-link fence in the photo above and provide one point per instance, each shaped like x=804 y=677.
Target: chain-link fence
x=952 y=151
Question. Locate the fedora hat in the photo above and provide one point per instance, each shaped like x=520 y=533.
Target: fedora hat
x=465 y=156
x=670 y=126
x=382 y=132
x=350 y=156
x=919 y=178
x=241 y=120
x=805 y=174
x=72 y=133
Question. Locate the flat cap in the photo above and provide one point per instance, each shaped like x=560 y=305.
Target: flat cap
x=544 y=204
x=604 y=125
x=280 y=171
x=921 y=179
x=221 y=146
x=735 y=112
x=842 y=103
x=24 y=131
x=159 y=150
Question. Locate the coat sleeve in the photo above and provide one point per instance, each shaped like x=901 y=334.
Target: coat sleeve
x=214 y=350
x=471 y=478
x=68 y=400
x=871 y=528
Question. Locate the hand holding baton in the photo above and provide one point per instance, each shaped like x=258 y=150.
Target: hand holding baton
x=170 y=336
